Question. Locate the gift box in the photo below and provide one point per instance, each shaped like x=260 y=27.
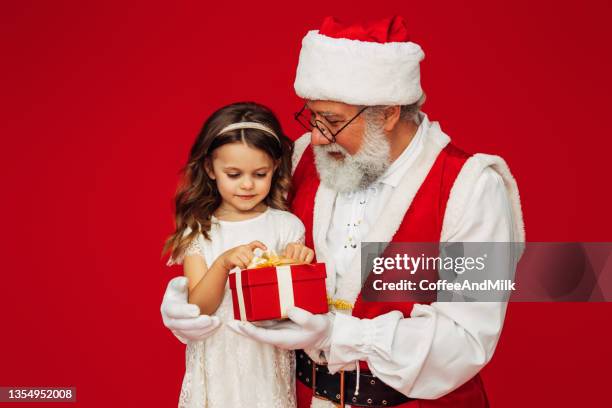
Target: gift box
x=267 y=293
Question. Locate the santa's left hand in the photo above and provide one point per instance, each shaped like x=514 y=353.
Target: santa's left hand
x=303 y=330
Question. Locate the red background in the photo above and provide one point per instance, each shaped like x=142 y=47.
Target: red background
x=101 y=102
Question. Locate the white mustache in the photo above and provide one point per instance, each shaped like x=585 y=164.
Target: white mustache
x=333 y=149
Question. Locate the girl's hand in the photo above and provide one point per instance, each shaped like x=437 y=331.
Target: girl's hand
x=240 y=256
x=299 y=252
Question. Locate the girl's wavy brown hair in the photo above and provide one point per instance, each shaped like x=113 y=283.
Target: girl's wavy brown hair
x=197 y=196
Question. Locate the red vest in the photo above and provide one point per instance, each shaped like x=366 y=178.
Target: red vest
x=422 y=223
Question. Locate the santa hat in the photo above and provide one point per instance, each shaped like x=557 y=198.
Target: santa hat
x=373 y=64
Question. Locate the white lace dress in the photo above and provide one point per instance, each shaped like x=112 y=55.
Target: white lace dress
x=228 y=370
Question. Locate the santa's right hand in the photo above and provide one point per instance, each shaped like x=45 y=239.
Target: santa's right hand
x=182 y=318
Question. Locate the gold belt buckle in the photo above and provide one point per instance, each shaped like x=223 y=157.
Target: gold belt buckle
x=314 y=385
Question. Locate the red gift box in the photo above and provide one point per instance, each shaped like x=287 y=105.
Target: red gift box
x=267 y=293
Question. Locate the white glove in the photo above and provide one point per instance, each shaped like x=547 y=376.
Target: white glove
x=182 y=318
x=304 y=330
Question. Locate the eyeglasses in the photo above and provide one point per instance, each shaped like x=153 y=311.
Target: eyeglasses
x=305 y=118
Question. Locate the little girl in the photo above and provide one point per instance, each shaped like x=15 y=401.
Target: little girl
x=231 y=202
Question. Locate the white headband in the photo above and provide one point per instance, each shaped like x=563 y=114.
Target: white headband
x=249 y=125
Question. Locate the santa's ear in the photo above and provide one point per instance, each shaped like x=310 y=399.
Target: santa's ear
x=391 y=117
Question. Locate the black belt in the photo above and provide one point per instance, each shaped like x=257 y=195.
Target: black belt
x=339 y=388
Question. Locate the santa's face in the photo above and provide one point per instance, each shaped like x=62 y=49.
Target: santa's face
x=361 y=152
x=334 y=116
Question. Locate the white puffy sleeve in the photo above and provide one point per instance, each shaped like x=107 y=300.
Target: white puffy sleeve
x=441 y=345
x=292 y=230
x=196 y=247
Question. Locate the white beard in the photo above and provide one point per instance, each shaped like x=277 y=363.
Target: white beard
x=358 y=171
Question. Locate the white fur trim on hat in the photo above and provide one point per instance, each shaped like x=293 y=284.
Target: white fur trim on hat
x=358 y=72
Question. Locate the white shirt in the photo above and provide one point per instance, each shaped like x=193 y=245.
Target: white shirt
x=355 y=212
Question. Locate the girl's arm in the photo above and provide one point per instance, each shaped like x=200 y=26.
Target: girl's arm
x=207 y=285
